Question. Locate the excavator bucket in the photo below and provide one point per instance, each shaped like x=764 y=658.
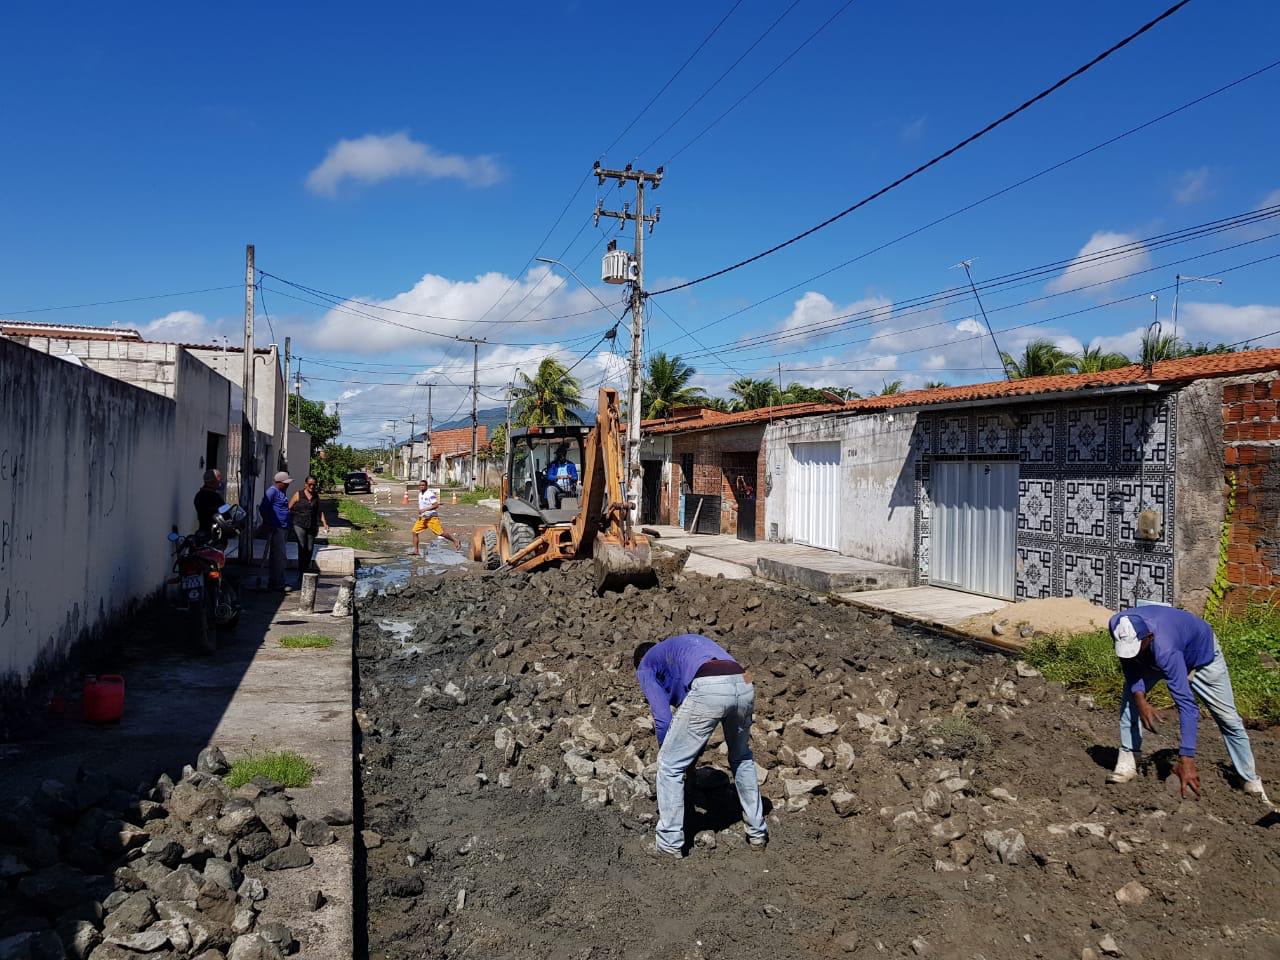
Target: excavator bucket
x=617 y=565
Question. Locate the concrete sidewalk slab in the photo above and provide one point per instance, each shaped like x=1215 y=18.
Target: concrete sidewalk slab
x=927 y=605
x=819 y=571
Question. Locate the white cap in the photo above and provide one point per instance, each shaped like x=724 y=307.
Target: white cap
x=1128 y=641
x=283 y=477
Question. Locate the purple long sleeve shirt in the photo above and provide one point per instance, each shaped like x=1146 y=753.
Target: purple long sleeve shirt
x=667 y=671
x=1183 y=642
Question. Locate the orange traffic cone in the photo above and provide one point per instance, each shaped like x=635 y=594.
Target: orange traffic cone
x=406 y=496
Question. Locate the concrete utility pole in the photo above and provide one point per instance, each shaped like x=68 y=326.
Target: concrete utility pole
x=475 y=396
x=639 y=178
x=427 y=475
x=506 y=447
x=288 y=358
x=297 y=391
x=413 y=420
x=248 y=447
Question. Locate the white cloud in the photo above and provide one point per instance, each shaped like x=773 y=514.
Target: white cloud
x=1129 y=343
x=1270 y=200
x=183 y=326
x=1090 y=267
x=814 y=308
x=490 y=296
x=1192 y=185
x=1222 y=321
x=914 y=130
x=969 y=326
x=373 y=158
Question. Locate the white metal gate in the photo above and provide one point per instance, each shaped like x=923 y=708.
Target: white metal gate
x=813 y=494
x=974 y=525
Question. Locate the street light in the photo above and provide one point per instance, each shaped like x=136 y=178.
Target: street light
x=1177 y=288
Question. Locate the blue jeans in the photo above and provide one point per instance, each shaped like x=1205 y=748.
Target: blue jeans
x=1212 y=685
x=711 y=700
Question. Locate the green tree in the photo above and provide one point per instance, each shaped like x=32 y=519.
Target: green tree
x=934 y=385
x=498 y=441
x=718 y=403
x=666 y=386
x=1157 y=346
x=1040 y=358
x=1202 y=349
x=1096 y=360
x=801 y=393
x=751 y=394
x=890 y=388
x=552 y=395
x=309 y=415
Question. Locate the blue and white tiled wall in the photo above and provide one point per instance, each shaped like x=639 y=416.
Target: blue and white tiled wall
x=1086 y=470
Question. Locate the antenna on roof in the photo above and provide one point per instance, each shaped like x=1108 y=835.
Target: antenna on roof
x=966 y=264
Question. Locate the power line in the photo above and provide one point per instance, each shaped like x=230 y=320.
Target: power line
x=763 y=80
x=270 y=325
x=995 y=194
x=768 y=30
x=994 y=124
x=1028 y=276
x=109 y=303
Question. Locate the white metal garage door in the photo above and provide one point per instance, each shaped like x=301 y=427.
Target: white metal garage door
x=813 y=494
x=974 y=526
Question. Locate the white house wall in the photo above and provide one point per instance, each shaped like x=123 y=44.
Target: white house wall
x=877 y=482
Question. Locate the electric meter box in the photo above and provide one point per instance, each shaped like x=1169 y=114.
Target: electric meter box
x=617 y=267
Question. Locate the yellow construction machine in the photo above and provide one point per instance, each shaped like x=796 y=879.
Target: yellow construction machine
x=552 y=513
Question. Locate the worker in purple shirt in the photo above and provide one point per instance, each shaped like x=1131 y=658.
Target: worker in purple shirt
x=708 y=687
x=1157 y=643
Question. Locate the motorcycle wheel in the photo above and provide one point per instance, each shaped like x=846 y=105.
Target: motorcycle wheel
x=206 y=635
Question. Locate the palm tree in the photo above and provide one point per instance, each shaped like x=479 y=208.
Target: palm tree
x=667 y=387
x=1158 y=346
x=800 y=393
x=753 y=394
x=1040 y=358
x=934 y=385
x=1095 y=360
x=552 y=395
x=890 y=388
x=718 y=403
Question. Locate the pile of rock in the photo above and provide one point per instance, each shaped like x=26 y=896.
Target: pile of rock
x=88 y=870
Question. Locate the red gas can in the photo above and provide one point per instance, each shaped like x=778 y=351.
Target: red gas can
x=103 y=699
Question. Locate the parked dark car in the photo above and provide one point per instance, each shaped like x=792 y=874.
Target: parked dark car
x=357 y=481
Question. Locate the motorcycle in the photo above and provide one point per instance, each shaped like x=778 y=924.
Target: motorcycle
x=199 y=587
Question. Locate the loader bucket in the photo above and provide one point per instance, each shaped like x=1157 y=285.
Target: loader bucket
x=616 y=565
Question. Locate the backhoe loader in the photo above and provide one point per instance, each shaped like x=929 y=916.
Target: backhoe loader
x=548 y=519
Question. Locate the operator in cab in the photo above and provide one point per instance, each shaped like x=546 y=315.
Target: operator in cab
x=562 y=478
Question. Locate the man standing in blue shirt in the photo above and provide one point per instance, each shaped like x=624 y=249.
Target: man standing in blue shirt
x=708 y=687
x=1157 y=643
x=275 y=516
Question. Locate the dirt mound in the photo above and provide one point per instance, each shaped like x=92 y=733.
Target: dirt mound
x=1051 y=615
x=923 y=798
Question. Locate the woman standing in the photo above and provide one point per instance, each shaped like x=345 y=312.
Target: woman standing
x=307 y=518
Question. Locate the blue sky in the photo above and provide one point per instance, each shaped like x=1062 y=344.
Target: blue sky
x=413 y=156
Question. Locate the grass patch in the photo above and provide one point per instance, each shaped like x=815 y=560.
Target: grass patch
x=307 y=641
x=358 y=515
x=285 y=768
x=472 y=497
x=1250 y=642
x=352 y=538
x=961 y=738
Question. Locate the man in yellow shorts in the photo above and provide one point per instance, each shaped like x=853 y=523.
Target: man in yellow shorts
x=429 y=516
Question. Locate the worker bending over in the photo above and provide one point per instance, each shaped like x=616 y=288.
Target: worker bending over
x=1163 y=643
x=708 y=687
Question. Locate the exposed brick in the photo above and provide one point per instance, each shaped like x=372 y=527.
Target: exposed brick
x=1231 y=393
x=1231 y=456
x=1267 y=409
x=1275 y=389
x=1233 y=413
x=1231 y=432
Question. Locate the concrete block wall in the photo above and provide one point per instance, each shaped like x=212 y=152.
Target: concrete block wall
x=150 y=366
x=1251 y=451
x=88 y=492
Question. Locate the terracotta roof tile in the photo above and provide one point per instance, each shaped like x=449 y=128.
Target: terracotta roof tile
x=1164 y=373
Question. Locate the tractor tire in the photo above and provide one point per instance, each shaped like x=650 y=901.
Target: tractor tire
x=490 y=556
x=515 y=537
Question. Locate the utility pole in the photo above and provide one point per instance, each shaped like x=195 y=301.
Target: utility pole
x=779 y=383
x=297 y=391
x=288 y=358
x=640 y=178
x=506 y=447
x=248 y=446
x=427 y=475
x=413 y=420
x=475 y=396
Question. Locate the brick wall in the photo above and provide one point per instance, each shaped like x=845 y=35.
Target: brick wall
x=709 y=449
x=1251 y=450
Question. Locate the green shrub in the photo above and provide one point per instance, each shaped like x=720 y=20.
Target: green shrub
x=1250 y=643
x=358 y=515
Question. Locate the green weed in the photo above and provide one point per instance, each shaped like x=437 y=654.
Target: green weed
x=1250 y=642
x=357 y=539
x=961 y=737
x=285 y=768
x=358 y=515
x=307 y=641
